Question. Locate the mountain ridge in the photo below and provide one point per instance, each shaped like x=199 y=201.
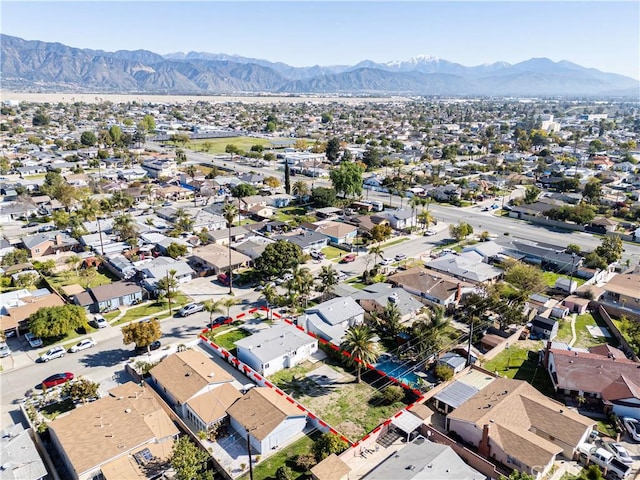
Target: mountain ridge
x=47 y=66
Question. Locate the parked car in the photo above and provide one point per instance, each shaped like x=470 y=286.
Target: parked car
x=400 y=256
x=348 y=258
x=261 y=287
x=619 y=451
x=34 y=341
x=154 y=346
x=46 y=228
x=342 y=276
x=430 y=233
x=190 y=309
x=100 y=322
x=83 y=345
x=633 y=427
x=386 y=261
x=219 y=321
x=317 y=255
x=57 y=379
x=5 y=351
x=285 y=278
x=52 y=353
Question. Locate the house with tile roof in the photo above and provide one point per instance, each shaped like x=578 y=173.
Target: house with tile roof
x=269 y=419
x=275 y=348
x=434 y=287
x=511 y=422
x=126 y=422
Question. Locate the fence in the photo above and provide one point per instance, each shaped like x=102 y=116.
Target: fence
x=502 y=346
x=613 y=329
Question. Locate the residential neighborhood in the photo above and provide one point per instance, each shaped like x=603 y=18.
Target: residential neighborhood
x=325 y=289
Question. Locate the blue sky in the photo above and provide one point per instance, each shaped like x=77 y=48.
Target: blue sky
x=603 y=35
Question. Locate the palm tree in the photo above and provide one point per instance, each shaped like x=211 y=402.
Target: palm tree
x=303 y=282
x=228 y=303
x=167 y=286
x=390 y=319
x=230 y=212
x=270 y=294
x=213 y=307
x=414 y=202
x=300 y=189
x=191 y=170
x=328 y=278
x=359 y=342
x=182 y=219
x=426 y=218
x=376 y=251
x=149 y=223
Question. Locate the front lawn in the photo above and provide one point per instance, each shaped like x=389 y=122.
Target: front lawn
x=228 y=339
x=53 y=410
x=521 y=364
x=68 y=339
x=333 y=252
x=152 y=308
x=266 y=470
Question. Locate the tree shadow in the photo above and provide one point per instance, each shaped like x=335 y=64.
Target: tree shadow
x=107 y=358
x=185 y=331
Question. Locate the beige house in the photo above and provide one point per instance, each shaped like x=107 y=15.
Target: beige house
x=214 y=259
x=623 y=290
x=18 y=316
x=106 y=434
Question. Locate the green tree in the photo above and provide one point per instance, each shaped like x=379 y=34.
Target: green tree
x=19 y=255
x=147 y=124
x=379 y=233
x=323 y=197
x=46 y=268
x=518 y=475
x=284 y=473
x=526 y=278
x=175 y=250
x=631 y=331
x=182 y=220
x=592 y=191
x=229 y=302
x=40 y=119
x=327 y=444
x=359 y=342
x=74 y=261
x=371 y=157
x=125 y=228
x=115 y=132
x=531 y=194
x=188 y=461
x=610 y=249
x=287 y=178
x=328 y=279
x=57 y=321
x=347 y=179
x=243 y=190
x=333 y=149
x=278 y=257
x=392 y=394
x=88 y=138
x=460 y=231
x=300 y=189
x=81 y=389
x=212 y=307
x=142 y=333
x=443 y=372
x=573 y=248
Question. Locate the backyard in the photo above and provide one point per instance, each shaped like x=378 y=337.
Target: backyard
x=584 y=339
x=69 y=277
x=219 y=145
x=521 y=363
x=551 y=277
x=228 y=338
x=352 y=408
x=266 y=470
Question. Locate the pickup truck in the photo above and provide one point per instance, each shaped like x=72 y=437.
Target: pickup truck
x=606 y=460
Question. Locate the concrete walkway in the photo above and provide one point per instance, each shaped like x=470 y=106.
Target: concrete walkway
x=573 y=329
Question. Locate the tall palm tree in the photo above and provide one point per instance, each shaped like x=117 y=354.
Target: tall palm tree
x=376 y=251
x=149 y=223
x=300 y=189
x=228 y=303
x=303 y=282
x=426 y=218
x=414 y=202
x=391 y=317
x=230 y=212
x=192 y=171
x=182 y=219
x=213 y=307
x=270 y=294
x=328 y=278
x=359 y=342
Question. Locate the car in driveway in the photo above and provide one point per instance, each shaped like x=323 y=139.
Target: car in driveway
x=633 y=427
x=57 y=379
x=285 y=278
x=100 y=322
x=34 y=341
x=53 y=353
x=154 y=346
x=341 y=276
x=5 y=351
x=83 y=345
x=317 y=255
x=190 y=309
x=348 y=258
x=619 y=451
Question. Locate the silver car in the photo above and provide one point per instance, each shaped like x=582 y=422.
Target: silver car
x=5 y=351
x=54 y=352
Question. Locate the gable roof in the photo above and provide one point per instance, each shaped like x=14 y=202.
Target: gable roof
x=100 y=431
x=184 y=374
x=337 y=310
x=261 y=410
x=114 y=290
x=468 y=266
x=212 y=405
x=273 y=342
x=622 y=388
x=430 y=283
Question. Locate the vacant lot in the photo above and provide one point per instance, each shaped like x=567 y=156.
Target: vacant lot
x=351 y=408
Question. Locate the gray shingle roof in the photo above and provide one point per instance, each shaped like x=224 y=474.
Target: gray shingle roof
x=274 y=342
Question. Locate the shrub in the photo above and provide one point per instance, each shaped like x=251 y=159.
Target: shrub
x=443 y=372
x=284 y=473
x=392 y=394
x=305 y=461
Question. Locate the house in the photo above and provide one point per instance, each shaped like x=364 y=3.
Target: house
x=489 y=251
x=105 y=298
x=16 y=317
x=160 y=267
x=590 y=374
x=214 y=259
x=268 y=419
x=433 y=287
x=307 y=240
x=376 y=297
x=331 y=319
x=399 y=219
x=510 y=422
x=221 y=237
x=336 y=231
x=273 y=349
x=260 y=211
x=365 y=223
x=253 y=246
x=462 y=389
x=468 y=267
x=548 y=257
x=421 y=460
x=623 y=290
x=183 y=376
x=544 y=328
x=19 y=456
x=160 y=168
x=102 y=437
x=246 y=203
x=280 y=200
x=454 y=361
x=48 y=243
x=576 y=304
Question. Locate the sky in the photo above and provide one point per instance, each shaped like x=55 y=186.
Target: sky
x=598 y=34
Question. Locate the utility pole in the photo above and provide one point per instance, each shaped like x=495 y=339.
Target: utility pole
x=470 y=342
x=169 y=294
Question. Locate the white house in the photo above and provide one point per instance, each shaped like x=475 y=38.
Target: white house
x=269 y=419
x=278 y=347
x=331 y=319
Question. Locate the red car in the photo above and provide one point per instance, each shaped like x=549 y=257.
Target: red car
x=348 y=258
x=57 y=379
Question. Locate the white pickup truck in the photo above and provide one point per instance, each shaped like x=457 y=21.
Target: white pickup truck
x=606 y=460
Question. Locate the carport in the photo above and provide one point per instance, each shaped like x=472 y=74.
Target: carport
x=407 y=422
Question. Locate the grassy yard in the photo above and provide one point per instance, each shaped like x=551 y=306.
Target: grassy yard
x=266 y=470
x=351 y=408
x=394 y=242
x=55 y=409
x=333 y=252
x=218 y=145
x=229 y=338
x=521 y=364
x=583 y=337
x=551 y=277
x=151 y=308
x=67 y=340
x=69 y=277
x=287 y=213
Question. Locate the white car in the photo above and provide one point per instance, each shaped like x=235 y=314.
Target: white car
x=34 y=341
x=285 y=278
x=400 y=256
x=430 y=233
x=387 y=261
x=341 y=276
x=190 y=309
x=633 y=427
x=619 y=451
x=83 y=344
x=5 y=351
x=54 y=352
x=100 y=322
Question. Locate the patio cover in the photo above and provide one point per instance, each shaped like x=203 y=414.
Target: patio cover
x=407 y=422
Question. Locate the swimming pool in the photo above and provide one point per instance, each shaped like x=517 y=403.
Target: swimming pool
x=399 y=371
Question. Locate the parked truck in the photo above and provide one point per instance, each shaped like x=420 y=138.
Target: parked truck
x=612 y=467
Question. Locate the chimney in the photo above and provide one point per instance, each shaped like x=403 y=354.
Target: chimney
x=484 y=448
x=458 y=292
x=58 y=239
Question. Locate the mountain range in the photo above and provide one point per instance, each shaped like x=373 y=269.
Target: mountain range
x=42 y=66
